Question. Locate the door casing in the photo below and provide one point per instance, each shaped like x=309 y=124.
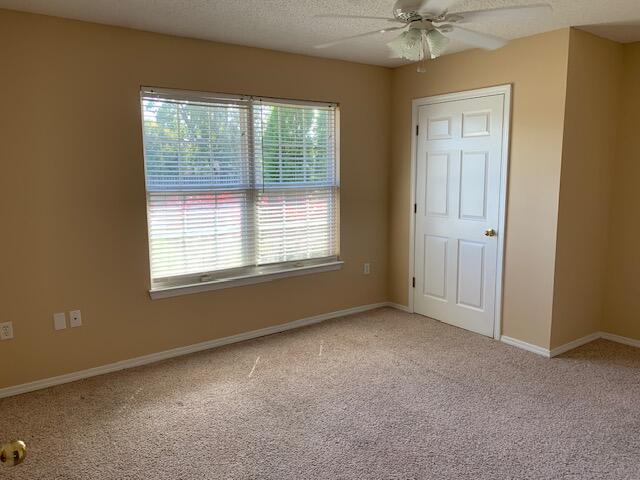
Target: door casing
x=504 y=175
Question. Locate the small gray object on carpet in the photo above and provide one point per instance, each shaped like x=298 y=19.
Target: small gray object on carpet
x=379 y=395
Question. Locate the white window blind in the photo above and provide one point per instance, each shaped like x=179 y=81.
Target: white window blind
x=237 y=185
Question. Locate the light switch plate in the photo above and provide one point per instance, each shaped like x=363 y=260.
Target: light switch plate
x=59 y=321
x=75 y=318
x=366 y=269
x=6 y=331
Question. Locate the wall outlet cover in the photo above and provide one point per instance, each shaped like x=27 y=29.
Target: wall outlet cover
x=6 y=331
x=59 y=321
x=75 y=318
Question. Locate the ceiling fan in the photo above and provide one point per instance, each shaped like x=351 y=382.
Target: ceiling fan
x=428 y=27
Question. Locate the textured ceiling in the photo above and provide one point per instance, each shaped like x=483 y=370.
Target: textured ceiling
x=289 y=25
x=623 y=32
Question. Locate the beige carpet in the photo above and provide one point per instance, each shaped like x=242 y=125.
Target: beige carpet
x=377 y=395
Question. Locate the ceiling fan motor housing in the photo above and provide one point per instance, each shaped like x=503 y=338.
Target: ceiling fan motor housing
x=410 y=11
x=406 y=10
x=421 y=25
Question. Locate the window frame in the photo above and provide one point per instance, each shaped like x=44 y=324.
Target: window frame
x=251 y=274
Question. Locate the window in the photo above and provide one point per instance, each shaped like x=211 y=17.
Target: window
x=238 y=187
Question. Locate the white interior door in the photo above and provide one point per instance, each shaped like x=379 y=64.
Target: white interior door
x=458 y=180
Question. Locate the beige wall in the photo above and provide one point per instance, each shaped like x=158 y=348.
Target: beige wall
x=537 y=68
x=590 y=134
x=74 y=211
x=622 y=303
x=74 y=227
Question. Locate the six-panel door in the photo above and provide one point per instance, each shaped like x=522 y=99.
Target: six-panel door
x=459 y=153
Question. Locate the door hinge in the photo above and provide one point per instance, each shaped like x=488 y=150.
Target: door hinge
x=417 y=129
x=415 y=208
x=413 y=282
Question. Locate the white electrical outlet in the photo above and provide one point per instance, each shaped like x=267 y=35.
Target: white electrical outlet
x=59 y=321
x=367 y=269
x=6 y=331
x=75 y=318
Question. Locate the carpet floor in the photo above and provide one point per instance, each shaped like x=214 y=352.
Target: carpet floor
x=378 y=395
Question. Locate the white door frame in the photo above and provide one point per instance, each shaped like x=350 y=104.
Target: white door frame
x=504 y=168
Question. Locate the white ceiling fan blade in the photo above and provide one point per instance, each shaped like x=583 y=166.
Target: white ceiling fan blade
x=506 y=14
x=363 y=17
x=475 y=39
x=360 y=35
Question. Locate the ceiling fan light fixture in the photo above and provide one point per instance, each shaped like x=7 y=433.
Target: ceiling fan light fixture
x=419 y=45
x=408 y=45
x=437 y=43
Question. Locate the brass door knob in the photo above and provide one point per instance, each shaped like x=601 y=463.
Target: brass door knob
x=490 y=233
x=13 y=453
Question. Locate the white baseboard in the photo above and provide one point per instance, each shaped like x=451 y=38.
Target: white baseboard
x=575 y=344
x=397 y=306
x=571 y=345
x=529 y=347
x=176 y=352
x=632 y=342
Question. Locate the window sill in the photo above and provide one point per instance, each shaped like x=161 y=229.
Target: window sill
x=239 y=281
